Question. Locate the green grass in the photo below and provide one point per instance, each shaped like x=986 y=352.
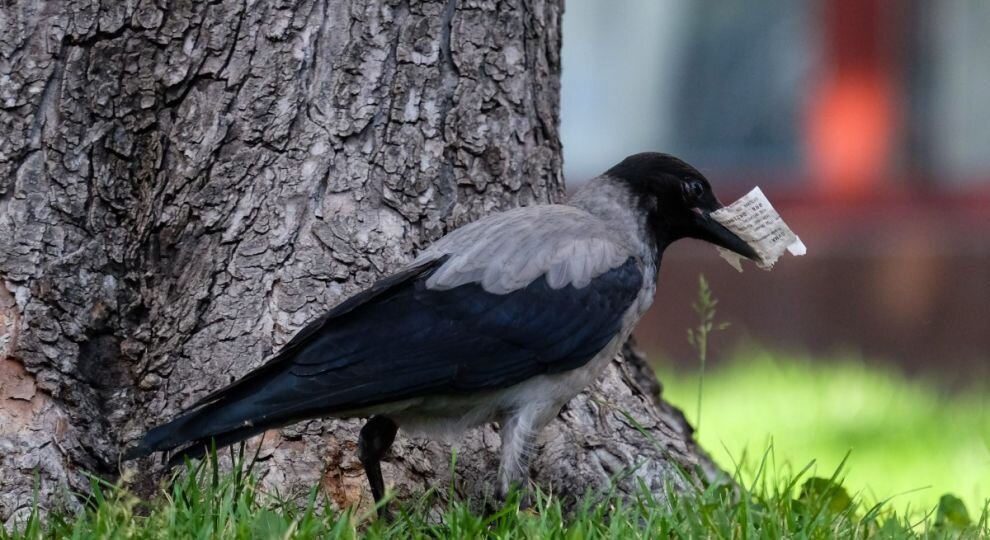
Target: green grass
x=906 y=439
x=851 y=446
x=204 y=504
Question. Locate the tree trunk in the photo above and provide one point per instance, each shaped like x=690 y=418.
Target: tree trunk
x=185 y=184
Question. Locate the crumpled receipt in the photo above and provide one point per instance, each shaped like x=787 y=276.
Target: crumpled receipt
x=754 y=219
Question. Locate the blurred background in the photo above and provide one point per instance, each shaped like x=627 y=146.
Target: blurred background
x=867 y=124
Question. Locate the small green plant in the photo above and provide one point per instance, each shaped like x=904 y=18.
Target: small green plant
x=952 y=513
x=704 y=306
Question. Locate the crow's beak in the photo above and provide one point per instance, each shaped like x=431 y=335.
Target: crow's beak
x=709 y=230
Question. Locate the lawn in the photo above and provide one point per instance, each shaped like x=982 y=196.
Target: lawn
x=902 y=435
x=907 y=440
x=204 y=504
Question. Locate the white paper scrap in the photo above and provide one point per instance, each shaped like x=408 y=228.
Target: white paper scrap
x=754 y=219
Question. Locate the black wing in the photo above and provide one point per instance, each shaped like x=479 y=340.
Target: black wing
x=311 y=331
x=406 y=341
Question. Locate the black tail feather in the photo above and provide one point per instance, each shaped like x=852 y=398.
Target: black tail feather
x=160 y=438
x=203 y=446
x=226 y=422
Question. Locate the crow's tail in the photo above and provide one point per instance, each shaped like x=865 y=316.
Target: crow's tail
x=231 y=415
x=192 y=431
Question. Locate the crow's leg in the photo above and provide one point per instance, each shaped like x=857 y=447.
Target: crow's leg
x=375 y=439
x=519 y=432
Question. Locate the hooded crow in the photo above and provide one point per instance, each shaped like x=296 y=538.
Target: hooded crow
x=503 y=320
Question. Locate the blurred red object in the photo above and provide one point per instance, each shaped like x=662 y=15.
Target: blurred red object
x=852 y=114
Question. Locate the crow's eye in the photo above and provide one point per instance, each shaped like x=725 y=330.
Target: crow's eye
x=694 y=189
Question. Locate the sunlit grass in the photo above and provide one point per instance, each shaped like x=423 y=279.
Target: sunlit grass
x=203 y=503
x=905 y=438
x=897 y=435
x=821 y=407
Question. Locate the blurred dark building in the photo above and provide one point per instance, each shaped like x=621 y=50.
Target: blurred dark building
x=867 y=123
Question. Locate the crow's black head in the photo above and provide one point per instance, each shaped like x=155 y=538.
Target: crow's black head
x=678 y=200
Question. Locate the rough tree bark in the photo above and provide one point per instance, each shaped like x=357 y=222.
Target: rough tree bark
x=184 y=184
